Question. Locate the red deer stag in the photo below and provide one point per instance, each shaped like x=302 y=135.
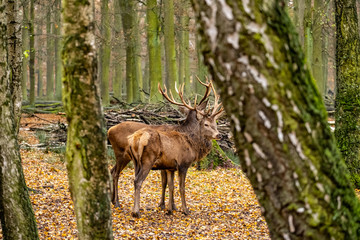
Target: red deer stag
x=173 y=149
x=118 y=138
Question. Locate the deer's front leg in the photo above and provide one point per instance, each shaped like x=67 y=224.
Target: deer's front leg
x=163 y=188
x=182 y=176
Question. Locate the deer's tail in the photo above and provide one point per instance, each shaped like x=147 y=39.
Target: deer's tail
x=137 y=142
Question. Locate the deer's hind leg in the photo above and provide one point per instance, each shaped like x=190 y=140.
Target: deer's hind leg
x=122 y=160
x=141 y=173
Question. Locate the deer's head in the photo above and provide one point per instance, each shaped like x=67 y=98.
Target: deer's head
x=199 y=120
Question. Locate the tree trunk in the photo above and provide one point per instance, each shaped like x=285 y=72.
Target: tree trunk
x=154 y=49
x=318 y=40
x=118 y=50
x=38 y=46
x=57 y=47
x=184 y=63
x=88 y=172
x=49 y=57
x=278 y=120
x=25 y=49
x=32 y=53
x=138 y=83
x=347 y=114
x=169 y=41
x=308 y=30
x=105 y=51
x=202 y=71
x=16 y=214
x=128 y=16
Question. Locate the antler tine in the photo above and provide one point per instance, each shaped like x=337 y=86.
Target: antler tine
x=216 y=103
x=207 y=91
x=165 y=95
x=181 y=95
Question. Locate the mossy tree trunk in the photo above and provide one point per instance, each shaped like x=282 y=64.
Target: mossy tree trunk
x=169 y=42
x=184 y=58
x=278 y=120
x=49 y=56
x=154 y=49
x=318 y=40
x=347 y=114
x=105 y=51
x=32 y=53
x=86 y=162
x=25 y=49
x=57 y=47
x=299 y=8
x=118 y=51
x=133 y=66
x=16 y=214
x=308 y=30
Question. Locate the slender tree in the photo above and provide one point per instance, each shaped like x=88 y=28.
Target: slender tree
x=118 y=51
x=278 y=120
x=49 y=55
x=154 y=49
x=57 y=48
x=39 y=55
x=16 y=214
x=105 y=51
x=184 y=58
x=88 y=174
x=318 y=45
x=25 y=48
x=169 y=41
x=32 y=53
x=347 y=115
x=308 y=37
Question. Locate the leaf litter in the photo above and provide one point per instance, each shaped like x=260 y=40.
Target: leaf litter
x=222 y=203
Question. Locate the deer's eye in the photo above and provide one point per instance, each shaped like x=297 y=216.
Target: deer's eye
x=206 y=125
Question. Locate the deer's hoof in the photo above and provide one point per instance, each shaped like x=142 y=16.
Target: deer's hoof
x=136 y=214
x=186 y=212
x=162 y=206
x=169 y=212
x=116 y=205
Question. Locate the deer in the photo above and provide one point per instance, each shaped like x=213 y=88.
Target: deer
x=173 y=149
x=118 y=134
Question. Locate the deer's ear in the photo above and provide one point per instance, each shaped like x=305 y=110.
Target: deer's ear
x=185 y=111
x=203 y=105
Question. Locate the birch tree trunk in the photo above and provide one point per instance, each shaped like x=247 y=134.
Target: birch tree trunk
x=347 y=113
x=16 y=214
x=86 y=161
x=278 y=120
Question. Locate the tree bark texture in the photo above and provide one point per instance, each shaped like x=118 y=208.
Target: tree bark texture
x=154 y=49
x=278 y=120
x=347 y=114
x=86 y=162
x=16 y=214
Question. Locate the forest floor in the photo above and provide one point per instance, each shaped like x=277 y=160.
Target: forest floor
x=222 y=202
